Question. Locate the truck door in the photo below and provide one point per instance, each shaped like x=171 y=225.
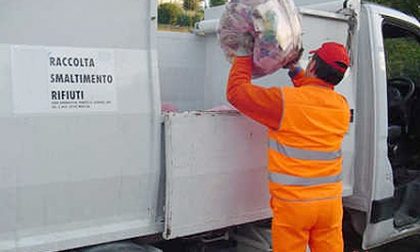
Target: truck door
x=387 y=178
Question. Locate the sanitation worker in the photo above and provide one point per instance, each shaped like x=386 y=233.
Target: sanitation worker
x=306 y=126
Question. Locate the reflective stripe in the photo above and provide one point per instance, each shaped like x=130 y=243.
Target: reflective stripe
x=284 y=179
x=303 y=154
x=309 y=200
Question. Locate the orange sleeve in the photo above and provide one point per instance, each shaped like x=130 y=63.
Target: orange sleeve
x=264 y=105
x=296 y=75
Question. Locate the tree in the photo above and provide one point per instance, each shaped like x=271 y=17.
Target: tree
x=190 y=18
x=411 y=7
x=403 y=54
x=403 y=58
x=168 y=13
x=217 y=2
x=191 y=5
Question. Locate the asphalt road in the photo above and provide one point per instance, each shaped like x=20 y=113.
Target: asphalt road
x=353 y=242
x=411 y=244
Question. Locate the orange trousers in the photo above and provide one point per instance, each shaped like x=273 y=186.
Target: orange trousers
x=298 y=224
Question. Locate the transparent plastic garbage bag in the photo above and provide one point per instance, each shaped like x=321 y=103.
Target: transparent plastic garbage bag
x=275 y=26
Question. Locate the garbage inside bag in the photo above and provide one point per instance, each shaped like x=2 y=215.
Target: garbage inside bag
x=276 y=29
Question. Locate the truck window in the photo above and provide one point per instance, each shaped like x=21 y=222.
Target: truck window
x=402 y=52
x=179 y=15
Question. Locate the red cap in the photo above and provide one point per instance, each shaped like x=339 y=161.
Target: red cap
x=335 y=55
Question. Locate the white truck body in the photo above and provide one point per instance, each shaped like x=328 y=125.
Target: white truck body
x=78 y=176
x=95 y=165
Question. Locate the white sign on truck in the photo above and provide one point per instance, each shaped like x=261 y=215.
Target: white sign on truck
x=58 y=79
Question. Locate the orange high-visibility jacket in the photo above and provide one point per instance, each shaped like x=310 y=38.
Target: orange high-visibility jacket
x=306 y=124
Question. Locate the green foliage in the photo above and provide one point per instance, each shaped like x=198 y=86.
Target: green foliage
x=168 y=13
x=184 y=19
x=403 y=58
x=191 y=5
x=411 y=7
x=172 y=17
x=403 y=54
x=199 y=15
x=217 y=2
x=189 y=18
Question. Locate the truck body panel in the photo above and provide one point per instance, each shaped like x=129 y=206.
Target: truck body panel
x=208 y=187
x=79 y=170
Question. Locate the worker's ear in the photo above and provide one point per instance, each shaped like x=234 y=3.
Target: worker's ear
x=310 y=69
x=312 y=65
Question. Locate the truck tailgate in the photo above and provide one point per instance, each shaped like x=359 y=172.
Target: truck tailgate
x=215 y=172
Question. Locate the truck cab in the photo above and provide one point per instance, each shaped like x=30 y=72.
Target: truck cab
x=386 y=169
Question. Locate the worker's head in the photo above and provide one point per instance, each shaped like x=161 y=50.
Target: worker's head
x=329 y=62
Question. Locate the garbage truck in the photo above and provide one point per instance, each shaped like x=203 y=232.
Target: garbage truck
x=88 y=157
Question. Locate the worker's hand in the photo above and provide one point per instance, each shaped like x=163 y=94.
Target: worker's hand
x=245 y=44
x=294 y=61
x=294 y=70
x=293 y=67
